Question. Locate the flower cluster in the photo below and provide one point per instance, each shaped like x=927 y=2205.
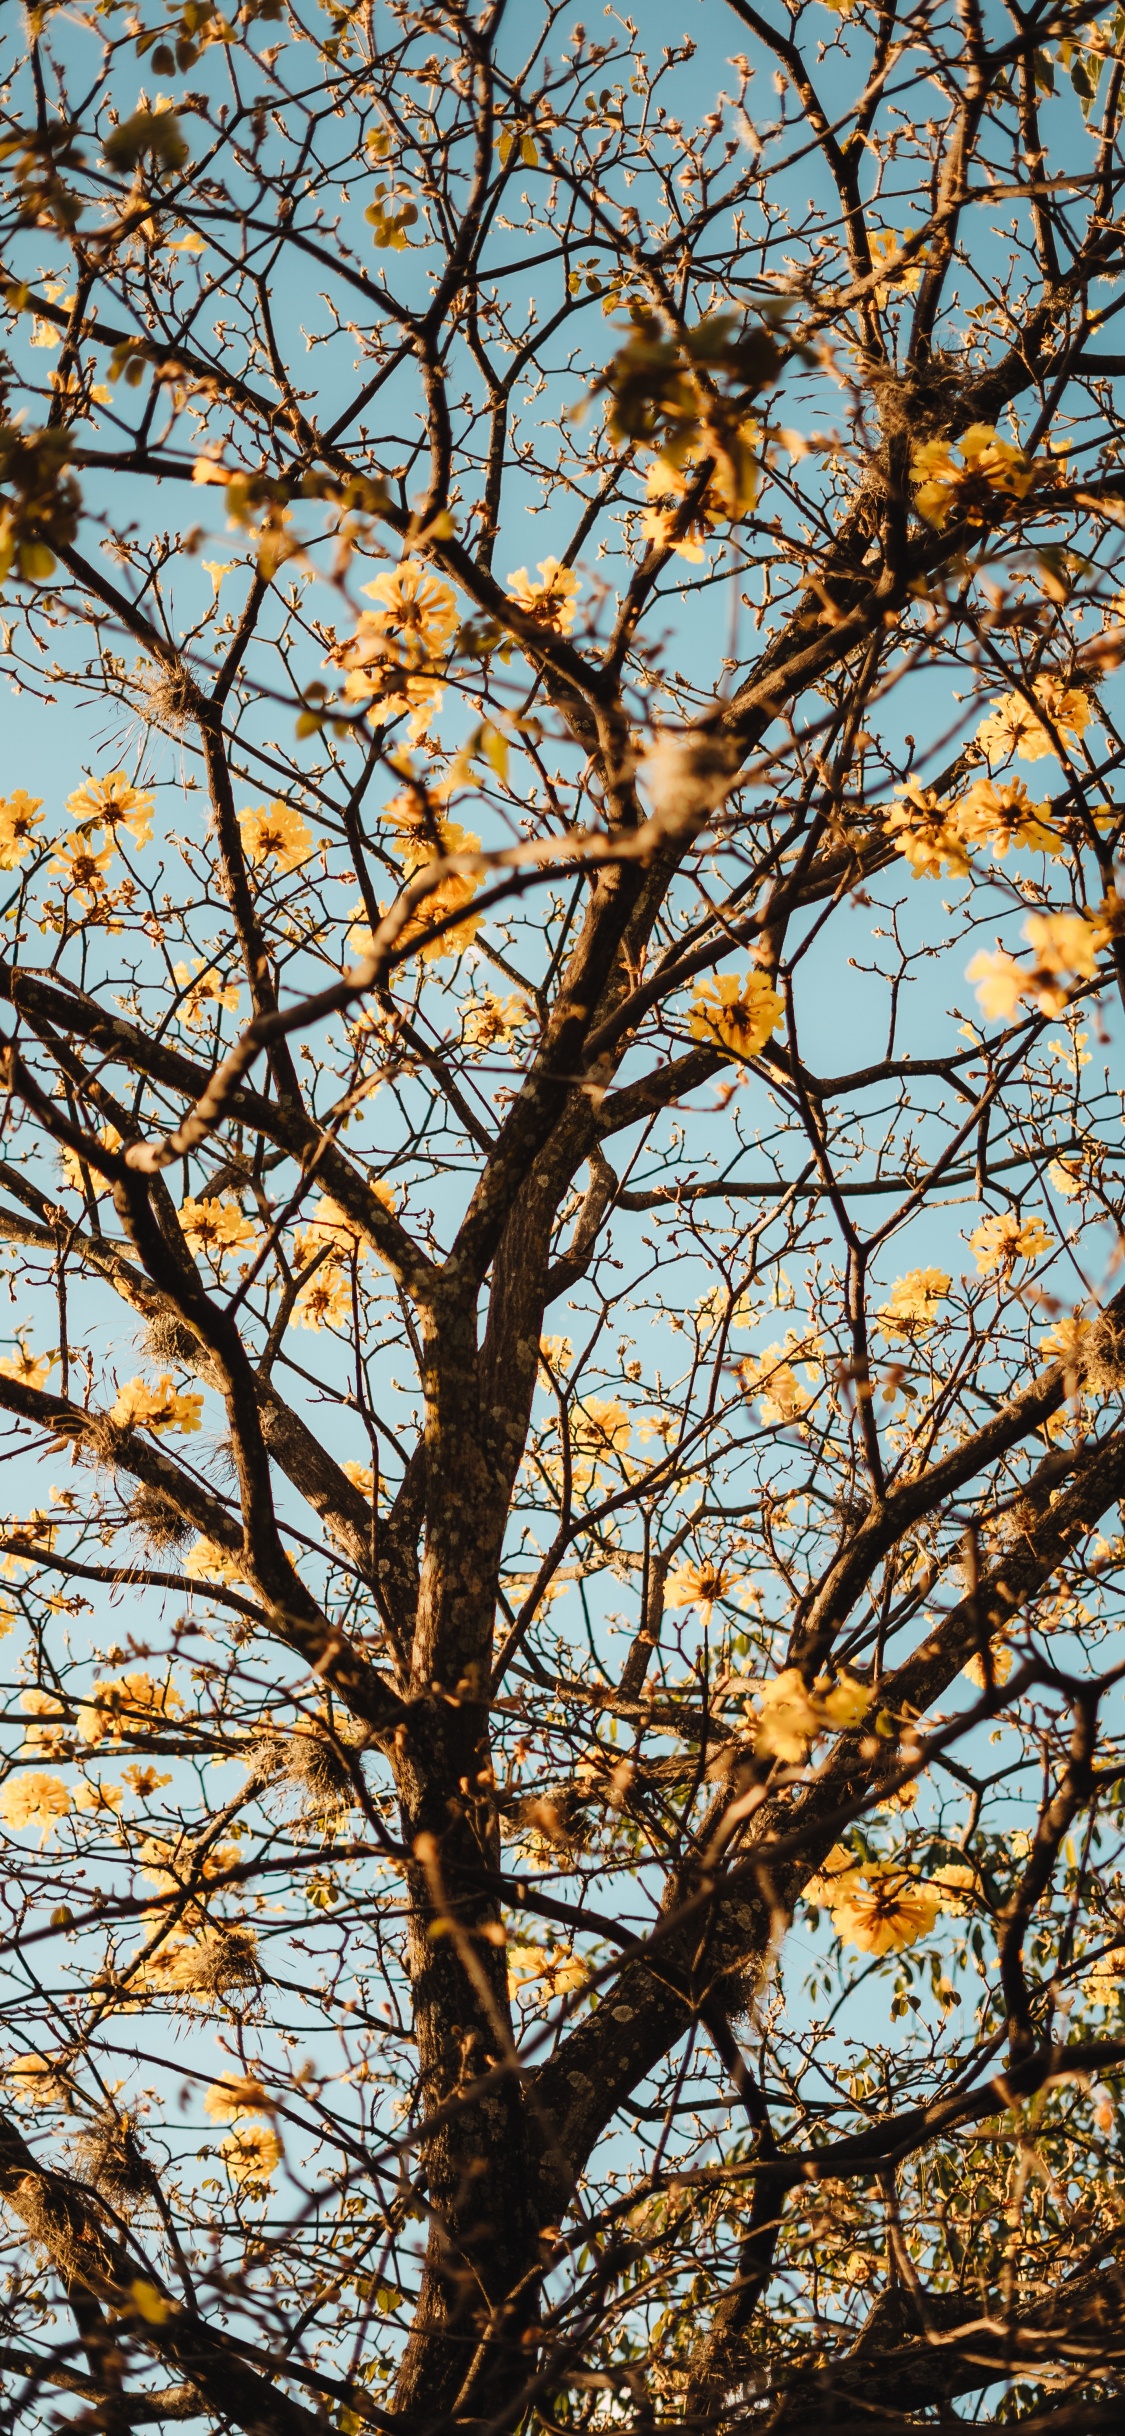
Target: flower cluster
x=971 y=478
x=553 y=601
x=1005 y=1238
x=1013 y=727
x=275 y=833
x=913 y=1304
x=790 y=1715
x=1066 y=951
x=935 y=835
x=142 y=1406
x=203 y=987
x=738 y=1016
x=389 y=659
x=770 y=1378
x=216 y=1227
x=19 y=819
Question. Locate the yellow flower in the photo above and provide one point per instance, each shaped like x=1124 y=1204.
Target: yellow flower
x=133 y=1704
x=361 y=1476
x=884 y=247
x=206 y=1561
x=1002 y=1664
x=230 y=2098
x=390 y=691
x=19 y=818
x=886 y=1912
x=36 y=2080
x=81 y=869
x=599 y=1429
x=91 y=1796
x=1066 y=950
x=217 y=1227
x=739 y=1015
x=924 y=829
x=35 y=1801
x=955 y=1880
x=697 y=1586
x=772 y=1370
x=1003 y=815
x=209 y=991
x=1069 y=1339
x=843 y=1703
x=112 y=803
x=51 y=1740
x=839 y=1872
x=991 y=469
x=1073 y=1175
x=1001 y=984
x=1064 y=943
x=788 y=1719
x=139 y=1406
x=557 y=1965
x=913 y=1306
x=553 y=601
x=415 y=607
x=144 y=1781
x=251 y=2152
x=1104 y=1984
x=417 y=844
x=31 y=1369
x=1007 y=1237
x=731 y=492
x=488 y=1020
x=71 y=1165
x=1012 y=726
x=275 y=833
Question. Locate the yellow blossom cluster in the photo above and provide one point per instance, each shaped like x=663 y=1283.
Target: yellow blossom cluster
x=884 y=1910
x=203 y=987
x=1001 y=1663
x=554 y=1968
x=388 y=660
x=769 y=1376
x=71 y=1165
x=1012 y=726
x=112 y=803
x=139 y=1405
x=914 y=1303
x=553 y=601
x=970 y=478
x=50 y=1739
x=488 y=1021
x=790 y=1715
x=935 y=835
x=275 y=833
x=332 y=1243
x=1066 y=947
x=1005 y=1238
x=31 y=1369
x=698 y=1586
x=132 y=1705
x=231 y=2098
x=33 y=1800
x=207 y=1561
x=19 y=819
x=738 y=1016
x=423 y=834
x=216 y=1227
x=731 y=491
x=251 y=2153
x=600 y=1429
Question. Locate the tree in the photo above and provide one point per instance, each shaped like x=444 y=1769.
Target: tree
x=564 y=1799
